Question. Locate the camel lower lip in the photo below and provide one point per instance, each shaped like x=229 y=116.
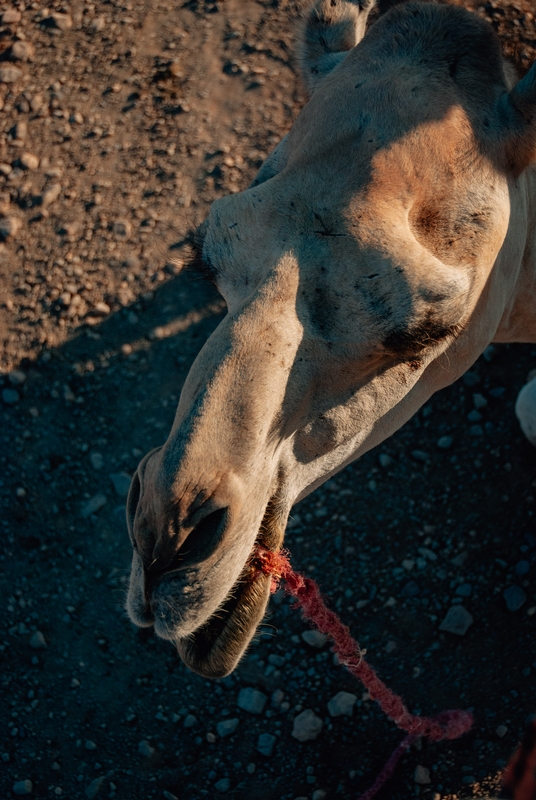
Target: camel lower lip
x=216 y=647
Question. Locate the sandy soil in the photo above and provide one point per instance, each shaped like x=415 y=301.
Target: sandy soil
x=120 y=124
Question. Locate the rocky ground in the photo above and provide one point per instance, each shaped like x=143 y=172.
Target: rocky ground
x=120 y=124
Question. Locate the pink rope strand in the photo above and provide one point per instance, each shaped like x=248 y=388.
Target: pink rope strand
x=447 y=725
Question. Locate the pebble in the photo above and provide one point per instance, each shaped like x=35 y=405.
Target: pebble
x=307 y=726
x=169 y=796
x=464 y=590
x=458 y=620
x=62 y=21
x=314 y=639
x=514 y=598
x=121 y=482
x=190 y=721
x=445 y=442
x=96 y=460
x=102 y=309
x=421 y=775
x=522 y=567
x=479 y=401
x=319 y=794
x=9 y=227
x=251 y=700
x=342 y=704
x=501 y=731
x=23 y=787
x=38 y=641
x=29 y=161
x=93 y=505
x=145 y=749
x=94 y=787
x=16 y=377
x=265 y=744
x=525 y=410
x=420 y=455
x=227 y=727
x=122 y=229
x=223 y=785
x=11 y=16
x=10 y=396
x=90 y=745
x=22 y=51
x=10 y=74
x=21 y=130
x=384 y=460
x=50 y=195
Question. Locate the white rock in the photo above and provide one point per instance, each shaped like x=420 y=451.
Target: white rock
x=22 y=51
x=501 y=731
x=23 y=787
x=10 y=74
x=342 y=704
x=422 y=775
x=314 y=638
x=29 y=161
x=265 y=744
x=62 y=21
x=50 y=195
x=251 y=700
x=16 y=377
x=526 y=410
x=93 y=505
x=38 y=641
x=227 y=727
x=101 y=308
x=9 y=227
x=11 y=16
x=145 y=749
x=121 y=482
x=21 y=130
x=307 y=726
x=458 y=620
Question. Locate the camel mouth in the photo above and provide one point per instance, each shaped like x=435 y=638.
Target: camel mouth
x=214 y=649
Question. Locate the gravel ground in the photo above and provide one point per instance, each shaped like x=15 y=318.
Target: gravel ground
x=120 y=124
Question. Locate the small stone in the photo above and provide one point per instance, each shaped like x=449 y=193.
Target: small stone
x=464 y=590
x=89 y=745
x=62 y=21
x=23 y=787
x=474 y=416
x=36 y=103
x=16 y=377
x=411 y=589
x=29 y=161
x=50 y=195
x=525 y=407
x=9 y=227
x=96 y=460
x=97 y=25
x=265 y=744
x=10 y=397
x=121 y=482
x=514 y=597
x=169 y=796
x=318 y=794
x=277 y=698
x=38 y=641
x=479 y=401
x=223 y=785
x=10 y=74
x=190 y=721
x=342 y=704
x=420 y=455
x=122 y=229
x=501 y=731
x=522 y=567
x=458 y=620
x=307 y=726
x=251 y=700
x=422 y=775
x=22 y=51
x=93 y=505
x=227 y=727
x=445 y=442
x=145 y=749
x=11 y=16
x=314 y=639
x=94 y=787
x=384 y=460
x=102 y=309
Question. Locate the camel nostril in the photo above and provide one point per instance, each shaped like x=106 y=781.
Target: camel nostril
x=205 y=538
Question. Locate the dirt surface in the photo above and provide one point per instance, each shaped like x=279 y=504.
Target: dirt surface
x=120 y=124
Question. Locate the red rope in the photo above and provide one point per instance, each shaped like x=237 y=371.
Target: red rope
x=447 y=725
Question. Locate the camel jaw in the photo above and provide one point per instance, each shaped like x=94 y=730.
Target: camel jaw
x=214 y=649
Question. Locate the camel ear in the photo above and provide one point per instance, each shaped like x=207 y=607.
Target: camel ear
x=520 y=107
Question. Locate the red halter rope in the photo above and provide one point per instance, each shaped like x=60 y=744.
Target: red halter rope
x=447 y=725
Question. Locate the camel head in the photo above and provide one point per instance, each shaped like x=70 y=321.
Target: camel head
x=353 y=269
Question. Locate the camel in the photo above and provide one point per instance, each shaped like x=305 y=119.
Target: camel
x=384 y=244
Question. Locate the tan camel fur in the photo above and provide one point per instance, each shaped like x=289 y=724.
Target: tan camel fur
x=390 y=237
